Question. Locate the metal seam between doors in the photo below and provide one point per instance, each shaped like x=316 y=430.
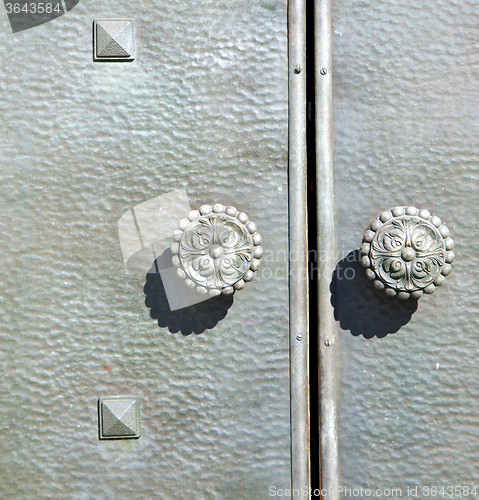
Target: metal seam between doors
x=298 y=247
x=326 y=247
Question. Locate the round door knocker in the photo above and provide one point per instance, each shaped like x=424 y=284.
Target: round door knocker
x=216 y=250
x=407 y=252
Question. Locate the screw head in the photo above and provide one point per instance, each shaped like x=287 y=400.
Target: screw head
x=323 y=71
x=327 y=343
x=298 y=69
x=299 y=338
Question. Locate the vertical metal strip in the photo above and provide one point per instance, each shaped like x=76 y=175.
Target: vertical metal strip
x=326 y=246
x=298 y=249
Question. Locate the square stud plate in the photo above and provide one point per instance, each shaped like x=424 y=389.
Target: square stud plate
x=119 y=417
x=114 y=40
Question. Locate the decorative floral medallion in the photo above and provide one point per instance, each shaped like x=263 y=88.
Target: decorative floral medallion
x=216 y=250
x=407 y=252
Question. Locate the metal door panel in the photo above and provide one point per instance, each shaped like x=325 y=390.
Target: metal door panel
x=203 y=107
x=405 y=93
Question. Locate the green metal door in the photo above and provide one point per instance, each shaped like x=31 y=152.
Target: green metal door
x=200 y=108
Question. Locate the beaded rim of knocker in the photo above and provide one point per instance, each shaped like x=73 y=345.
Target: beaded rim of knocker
x=247 y=258
x=392 y=255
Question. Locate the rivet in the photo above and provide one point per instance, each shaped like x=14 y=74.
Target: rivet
x=114 y=39
x=119 y=417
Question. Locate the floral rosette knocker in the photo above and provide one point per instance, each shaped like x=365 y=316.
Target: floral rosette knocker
x=216 y=250
x=407 y=252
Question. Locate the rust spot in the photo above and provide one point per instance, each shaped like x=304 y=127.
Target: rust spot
x=407 y=400
x=47 y=253
x=108 y=367
x=435 y=419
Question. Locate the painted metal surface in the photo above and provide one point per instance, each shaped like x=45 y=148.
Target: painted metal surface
x=326 y=247
x=407 y=133
x=204 y=108
x=298 y=247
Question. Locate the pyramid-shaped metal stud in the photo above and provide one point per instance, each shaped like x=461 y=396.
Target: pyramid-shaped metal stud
x=114 y=40
x=119 y=417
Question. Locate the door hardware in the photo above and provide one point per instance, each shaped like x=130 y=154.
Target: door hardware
x=119 y=417
x=407 y=252
x=216 y=250
x=114 y=40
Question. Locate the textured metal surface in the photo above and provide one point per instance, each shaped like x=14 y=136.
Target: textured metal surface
x=405 y=76
x=203 y=107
